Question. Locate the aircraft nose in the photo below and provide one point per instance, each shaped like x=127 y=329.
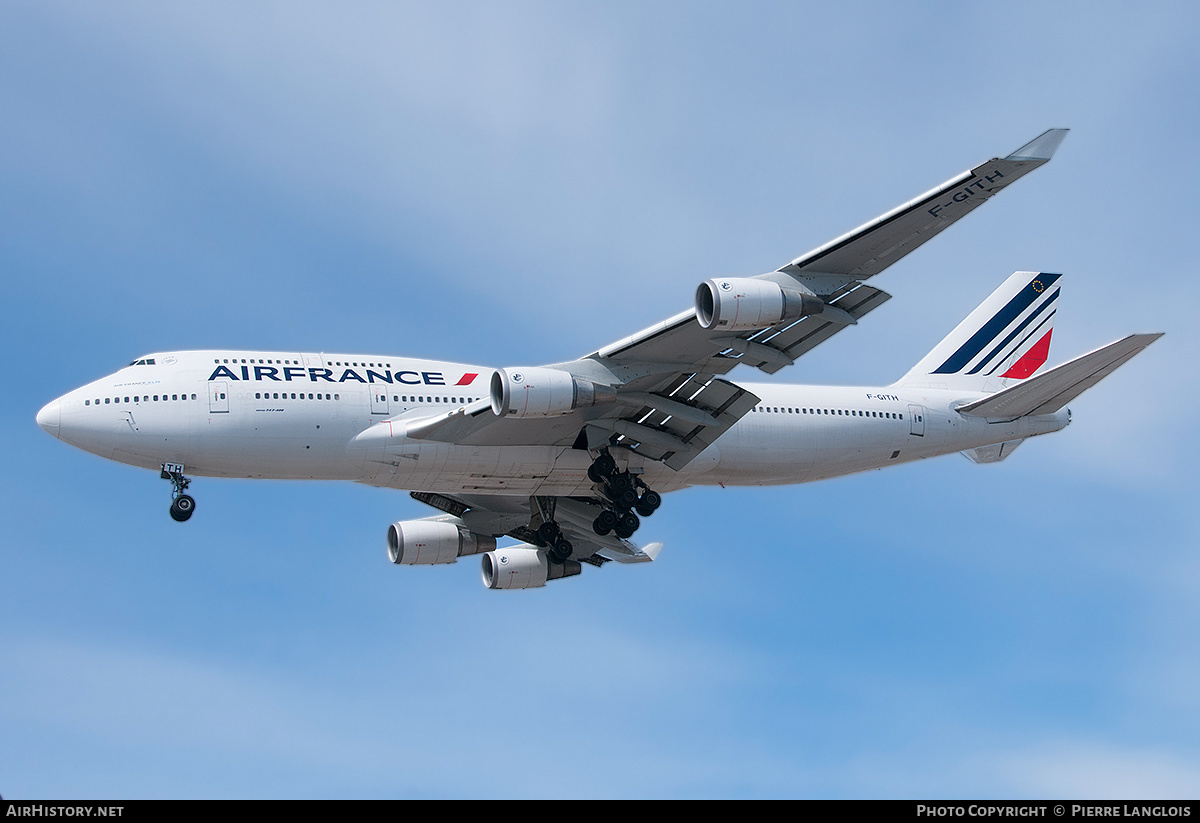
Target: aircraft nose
x=50 y=416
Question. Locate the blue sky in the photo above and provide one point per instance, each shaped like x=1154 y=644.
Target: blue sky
x=519 y=183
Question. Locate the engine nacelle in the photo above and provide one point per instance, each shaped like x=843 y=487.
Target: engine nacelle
x=523 y=567
x=541 y=392
x=423 y=542
x=744 y=303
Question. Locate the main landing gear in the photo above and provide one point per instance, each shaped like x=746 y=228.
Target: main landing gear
x=182 y=505
x=624 y=492
x=548 y=533
x=559 y=547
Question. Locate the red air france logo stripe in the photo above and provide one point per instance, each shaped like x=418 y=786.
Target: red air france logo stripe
x=466 y=380
x=1032 y=360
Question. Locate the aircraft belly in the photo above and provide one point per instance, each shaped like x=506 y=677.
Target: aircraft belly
x=450 y=468
x=762 y=449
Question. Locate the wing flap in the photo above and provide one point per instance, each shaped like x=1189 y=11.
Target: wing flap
x=659 y=432
x=808 y=332
x=1049 y=392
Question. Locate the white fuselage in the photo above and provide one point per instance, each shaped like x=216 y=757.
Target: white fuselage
x=339 y=417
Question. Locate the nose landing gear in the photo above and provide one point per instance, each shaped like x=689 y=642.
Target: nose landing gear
x=182 y=505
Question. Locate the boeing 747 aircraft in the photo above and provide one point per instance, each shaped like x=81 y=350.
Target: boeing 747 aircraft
x=568 y=458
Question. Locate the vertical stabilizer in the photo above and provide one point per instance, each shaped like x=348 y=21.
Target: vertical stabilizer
x=1006 y=339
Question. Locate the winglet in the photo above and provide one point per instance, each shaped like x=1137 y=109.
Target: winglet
x=1041 y=147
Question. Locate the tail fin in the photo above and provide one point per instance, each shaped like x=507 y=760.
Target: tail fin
x=1006 y=339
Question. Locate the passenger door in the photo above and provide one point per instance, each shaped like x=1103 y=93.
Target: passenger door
x=218 y=396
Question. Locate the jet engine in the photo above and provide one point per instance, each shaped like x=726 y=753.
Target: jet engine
x=541 y=392
x=523 y=567
x=744 y=303
x=423 y=542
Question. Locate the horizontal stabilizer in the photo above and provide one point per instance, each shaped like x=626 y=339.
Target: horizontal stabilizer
x=1049 y=392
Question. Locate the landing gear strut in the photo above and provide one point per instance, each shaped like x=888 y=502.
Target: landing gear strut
x=182 y=505
x=549 y=534
x=624 y=491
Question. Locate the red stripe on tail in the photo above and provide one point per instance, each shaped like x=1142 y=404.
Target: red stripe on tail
x=1032 y=360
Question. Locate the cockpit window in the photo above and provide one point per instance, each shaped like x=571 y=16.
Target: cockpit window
x=145 y=361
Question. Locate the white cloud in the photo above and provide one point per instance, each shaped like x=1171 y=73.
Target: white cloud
x=1101 y=771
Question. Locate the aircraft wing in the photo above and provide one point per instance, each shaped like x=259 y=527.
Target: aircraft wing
x=665 y=398
x=498 y=514
x=835 y=272
x=873 y=247
x=668 y=417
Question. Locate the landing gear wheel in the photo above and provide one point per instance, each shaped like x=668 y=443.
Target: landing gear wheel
x=549 y=532
x=605 y=523
x=560 y=552
x=627 y=524
x=649 y=503
x=622 y=490
x=182 y=507
x=602 y=467
x=605 y=465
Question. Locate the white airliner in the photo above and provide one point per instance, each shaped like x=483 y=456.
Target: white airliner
x=566 y=457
